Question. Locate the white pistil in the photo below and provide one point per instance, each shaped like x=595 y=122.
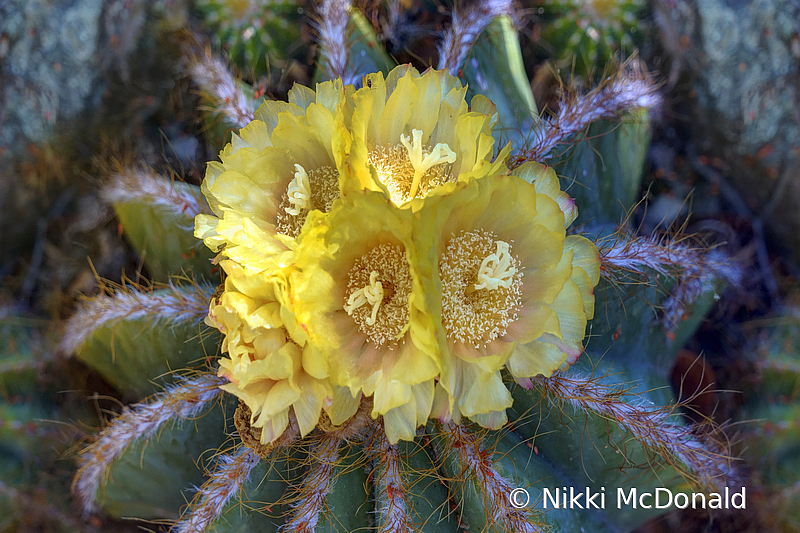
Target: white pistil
x=299 y=193
x=496 y=269
x=372 y=294
x=441 y=153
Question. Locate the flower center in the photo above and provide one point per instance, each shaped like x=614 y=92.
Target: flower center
x=299 y=192
x=378 y=289
x=315 y=189
x=372 y=294
x=481 y=287
x=410 y=169
x=496 y=269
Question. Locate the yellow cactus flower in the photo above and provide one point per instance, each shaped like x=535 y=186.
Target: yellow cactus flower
x=265 y=368
x=410 y=133
x=509 y=288
x=374 y=249
x=271 y=175
x=356 y=299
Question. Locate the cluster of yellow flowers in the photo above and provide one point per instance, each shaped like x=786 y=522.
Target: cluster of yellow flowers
x=374 y=248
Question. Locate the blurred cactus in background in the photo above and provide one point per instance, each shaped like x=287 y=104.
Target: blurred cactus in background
x=259 y=36
x=347 y=396
x=770 y=435
x=585 y=35
x=35 y=431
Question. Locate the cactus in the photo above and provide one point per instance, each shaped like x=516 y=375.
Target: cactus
x=403 y=309
x=262 y=36
x=585 y=35
x=35 y=431
x=770 y=417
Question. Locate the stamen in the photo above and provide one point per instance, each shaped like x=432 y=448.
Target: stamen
x=372 y=294
x=387 y=263
x=316 y=189
x=441 y=153
x=496 y=269
x=475 y=260
x=395 y=171
x=299 y=192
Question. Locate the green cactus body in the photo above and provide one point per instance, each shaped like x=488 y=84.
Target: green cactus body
x=156 y=233
x=347 y=503
x=142 y=482
x=18 y=366
x=606 y=168
x=120 y=346
x=428 y=498
x=260 y=508
x=503 y=81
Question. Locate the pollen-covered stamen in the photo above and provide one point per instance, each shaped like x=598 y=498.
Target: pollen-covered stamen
x=313 y=189
x=372 y=294
x=441 y=153
x=381 y=279
x=395 y=171
x=472 y=261
x=299 y=192
x=496 y=269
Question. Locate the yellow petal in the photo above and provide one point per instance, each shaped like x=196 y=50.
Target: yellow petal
x=535 y=358
x=389 y=396
x=481 y=104
x=308 y=406
x=330 y=94
x=281 y=396
x=491 y=420
x=397 y=111
x=586 y=256
x=343 y=405
x=425 y=112
x=443 y=406
x=401 y=423
x=270 y=111
x=301 y=96
x=586 y=288
x=256 y=135
x=484 y=393
x=571 y=316
x=273 y=426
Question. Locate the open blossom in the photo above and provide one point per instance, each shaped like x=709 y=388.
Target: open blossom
x=376 y=249
x=265 y=367
x=510 y=289
x=271 y=175
x=355 y=297
x=411 y=133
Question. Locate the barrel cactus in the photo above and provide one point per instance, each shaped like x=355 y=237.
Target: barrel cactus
x=417 y=328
